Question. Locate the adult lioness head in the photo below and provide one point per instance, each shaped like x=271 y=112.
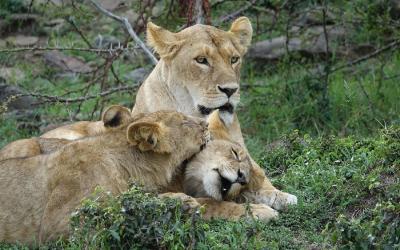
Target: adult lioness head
x=204 y=62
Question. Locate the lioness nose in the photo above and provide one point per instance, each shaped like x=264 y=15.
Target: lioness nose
x=227 y=91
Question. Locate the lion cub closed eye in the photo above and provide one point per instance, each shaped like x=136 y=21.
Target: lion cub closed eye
x=221 y=171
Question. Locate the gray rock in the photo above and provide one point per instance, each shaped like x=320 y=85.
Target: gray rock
x=19 y=103
x=66 y=63
x=137 y=76
x=312 y=42
x=106 y=42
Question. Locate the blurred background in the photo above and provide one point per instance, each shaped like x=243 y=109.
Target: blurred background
x=322 y=67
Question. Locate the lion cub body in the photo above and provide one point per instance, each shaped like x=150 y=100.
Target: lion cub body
x=39 y=193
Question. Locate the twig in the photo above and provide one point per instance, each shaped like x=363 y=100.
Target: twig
x=129 y=28
x=327 y=67
x=109 y=51
x=57 y=99
x=73 y=24
x=390 y=46
x=237 y=13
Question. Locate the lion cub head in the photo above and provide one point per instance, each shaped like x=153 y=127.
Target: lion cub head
x=161 y=132
x=205 y=62
x=221 y=171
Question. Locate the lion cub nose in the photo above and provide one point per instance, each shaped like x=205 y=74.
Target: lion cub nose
x=227 y=91
x=241 y=178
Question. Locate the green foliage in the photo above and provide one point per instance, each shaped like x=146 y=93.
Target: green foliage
x=11 y=6
x=133 y=220
x=378 y=230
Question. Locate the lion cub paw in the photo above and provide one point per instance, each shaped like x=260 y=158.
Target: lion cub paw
x=283 y=200
x=263 y=212
x=189 y=203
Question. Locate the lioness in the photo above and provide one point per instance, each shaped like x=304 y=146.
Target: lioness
x=198 y=72
x=39 y=193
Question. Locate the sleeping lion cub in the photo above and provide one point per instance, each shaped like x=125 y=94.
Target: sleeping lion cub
x=39 y=193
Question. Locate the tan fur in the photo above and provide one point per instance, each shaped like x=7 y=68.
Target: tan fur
x=72 y=172
x=31 y=147
x=39 y=193
x=179 y=82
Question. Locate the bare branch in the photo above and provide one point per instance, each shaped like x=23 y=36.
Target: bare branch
x=198 y=12
x=58 y=99
x=390 y=46
x=22 y=49
x=130 y=30
x=48 y=98
x=237 y=13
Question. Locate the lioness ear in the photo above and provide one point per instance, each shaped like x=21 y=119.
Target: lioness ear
x=164 y=42
x=147 y=136
x=217 y=127
x=241 y=29
x=115 y=116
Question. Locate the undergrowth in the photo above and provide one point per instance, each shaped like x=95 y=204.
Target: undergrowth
x=348 y=190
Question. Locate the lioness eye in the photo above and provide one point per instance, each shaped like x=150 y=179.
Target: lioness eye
x=234 y=59
x=201 y=60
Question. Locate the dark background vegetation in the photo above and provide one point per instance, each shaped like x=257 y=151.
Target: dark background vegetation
x=320 y=111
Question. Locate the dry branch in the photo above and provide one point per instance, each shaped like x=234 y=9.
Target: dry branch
x=129 y=28
x=237 y=13
x=57 y=99
x=392 y=45
x=22 y=49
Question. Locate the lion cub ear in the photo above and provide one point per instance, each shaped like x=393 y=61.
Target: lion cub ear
x=147 y=136
x=164 y=42
x=217 y=127
x=241 y=29
x=115 y=116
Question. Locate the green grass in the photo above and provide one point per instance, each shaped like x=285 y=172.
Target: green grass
x=348 y=190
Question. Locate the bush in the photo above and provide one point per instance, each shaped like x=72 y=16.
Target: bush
x=134 y=220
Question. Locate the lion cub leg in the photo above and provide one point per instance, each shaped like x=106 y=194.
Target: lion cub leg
x=270 y=196
x=223 y=209
x=190 y=203
x=234 y=211
x=262 y=191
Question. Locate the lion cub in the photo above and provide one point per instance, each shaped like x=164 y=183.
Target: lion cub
x=39 y=193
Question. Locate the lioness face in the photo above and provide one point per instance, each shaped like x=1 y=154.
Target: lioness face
x=207 y=61
x=221 y=171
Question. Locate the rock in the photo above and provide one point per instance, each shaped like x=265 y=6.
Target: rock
x=310 y=43
x=54 y=25
x=112 y=4
x=273 y=48
x=22 y=41
x=314 y=17
x=66 y=63
x=106 y=42
x=131 y=15
x=19 y=103
x=137 y=76
x=158 y=8
x=17 y=21
x=11 y=74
